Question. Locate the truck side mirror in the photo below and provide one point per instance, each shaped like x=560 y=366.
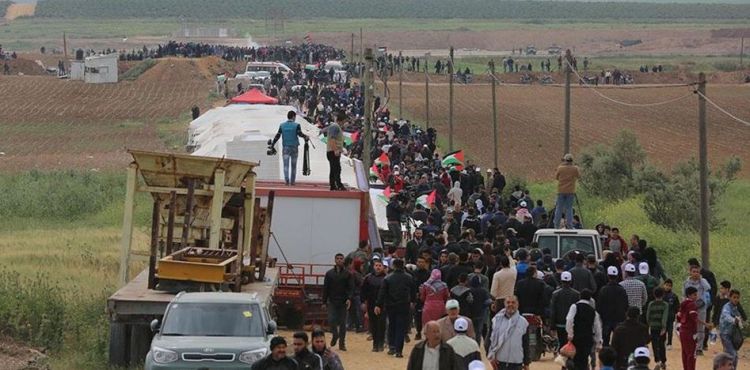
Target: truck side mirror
x=271 y=327
x=155 y=325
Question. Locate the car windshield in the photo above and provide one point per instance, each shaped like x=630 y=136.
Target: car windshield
x=214 y=320
x=584 y=244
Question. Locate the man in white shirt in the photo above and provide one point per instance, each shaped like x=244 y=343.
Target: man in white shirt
x=584 y=329
x=509 y=342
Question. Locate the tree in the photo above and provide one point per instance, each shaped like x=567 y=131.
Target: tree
x=610 y=171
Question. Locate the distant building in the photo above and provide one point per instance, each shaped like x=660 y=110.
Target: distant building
x=95 y=69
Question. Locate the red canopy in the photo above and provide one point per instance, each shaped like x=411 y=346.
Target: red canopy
x=254 y=96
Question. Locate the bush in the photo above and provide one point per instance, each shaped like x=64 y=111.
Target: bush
x=610 y=171
x=133 y=73
x=674 y=201
x=726 y=66
x=61 y=195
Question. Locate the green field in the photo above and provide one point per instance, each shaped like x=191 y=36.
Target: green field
x=59 y=266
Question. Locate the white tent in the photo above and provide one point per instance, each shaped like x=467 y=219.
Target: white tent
x=245 y=123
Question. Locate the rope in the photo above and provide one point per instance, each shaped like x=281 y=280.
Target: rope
x=722 y=110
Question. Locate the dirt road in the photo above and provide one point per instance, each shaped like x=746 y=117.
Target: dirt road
x=359 y=356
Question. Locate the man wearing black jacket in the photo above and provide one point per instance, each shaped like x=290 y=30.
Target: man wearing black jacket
x=306 y=359
x=530 y=293
x=338 y=288
x=277 y=359
x=562 y=299
x=370 y=287
x=396 y=298
x=612 y=304
x=432 y=353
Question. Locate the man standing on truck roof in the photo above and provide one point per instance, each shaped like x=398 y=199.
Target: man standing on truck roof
x=338 y=288
x=567 y=175
x=334 y=148
x=289 y=132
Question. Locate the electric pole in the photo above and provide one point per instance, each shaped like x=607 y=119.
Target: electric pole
x=742 y=49
x=400 y=87
x=705 y=217
x=351 y=56
x=426 y=90
x=494 y=109
x=369 y=82
x=568 y=72
x=361 y=45
x=450 y=101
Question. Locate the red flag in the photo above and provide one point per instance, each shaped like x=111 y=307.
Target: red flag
x=387 y=192
x=431 y=197
x=383 y=159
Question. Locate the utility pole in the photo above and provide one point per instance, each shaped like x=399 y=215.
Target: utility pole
x=568 y=72
x=494 y=109
x=361 y=45
x=400 y=87
x=426 y=90
x=742 y=49
x=450 y=101
x=65 y=46
x=369 y=86
x=351 y=56
x=705 y=217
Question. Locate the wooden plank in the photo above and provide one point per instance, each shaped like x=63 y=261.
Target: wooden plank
x=127 y=224
x=266 y=230
x=188 y=213
x=170 y=221
x=184 y=191
x=217 y=203
x=155 y=222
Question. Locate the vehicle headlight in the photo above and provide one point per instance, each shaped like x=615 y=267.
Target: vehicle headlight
x=250 y=357
x=163 y=356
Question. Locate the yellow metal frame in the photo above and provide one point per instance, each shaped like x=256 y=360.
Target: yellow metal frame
x=162 y=173
x=193 y=269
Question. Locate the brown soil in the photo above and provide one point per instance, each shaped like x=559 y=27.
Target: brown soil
x=16 y=10
x=25 y=66
x=531 y=122
x=15 y=356
x=49 y=123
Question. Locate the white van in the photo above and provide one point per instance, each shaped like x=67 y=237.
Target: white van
x=267 y=67
x=564 y=241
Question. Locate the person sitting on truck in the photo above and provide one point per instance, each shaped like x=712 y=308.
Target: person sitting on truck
x=277 y=359
x=289 y=131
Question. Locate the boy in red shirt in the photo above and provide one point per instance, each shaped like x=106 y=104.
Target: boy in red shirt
x=688 y=319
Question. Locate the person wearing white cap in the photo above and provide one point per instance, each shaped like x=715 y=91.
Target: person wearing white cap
x=476 y=364
x=566 y=175
x=647 y=279
x=612 y=304
x=447 y=329
x=636 y=290
x=641 y=356
x=562 y=299
x=509 y=342
x=584 y=329
x=465 y=348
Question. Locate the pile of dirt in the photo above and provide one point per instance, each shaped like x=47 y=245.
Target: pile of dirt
x=15 y=356
x=25 y=66
x=17 y=10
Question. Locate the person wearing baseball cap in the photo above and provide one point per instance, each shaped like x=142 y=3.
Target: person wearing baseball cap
x=465 y=348
x=566 y=175
x=647 y=279
x=641 y=357
x=564 y=297
x=447 y=323
x=636 y=290
x=611 y=304
x=476 y=364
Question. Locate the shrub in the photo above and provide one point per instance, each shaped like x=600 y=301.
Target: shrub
x=726 y=66
x=610 y=171
x=133 y=73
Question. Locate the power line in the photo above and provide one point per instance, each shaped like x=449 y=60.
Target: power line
x=722 y=110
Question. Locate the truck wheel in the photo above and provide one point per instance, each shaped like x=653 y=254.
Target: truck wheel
x=118 y=344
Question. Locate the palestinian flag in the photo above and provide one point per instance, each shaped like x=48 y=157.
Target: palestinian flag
x=374 y=172
x=347 y=139
x=383 y=159
x=427 y=199
x=386 y=196
x=454 y=160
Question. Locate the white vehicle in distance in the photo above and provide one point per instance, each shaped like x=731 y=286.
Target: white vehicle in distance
x=266 y=68
x=339 y=72
x=564 y=241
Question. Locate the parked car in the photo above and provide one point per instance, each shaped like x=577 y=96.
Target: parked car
x=211 y=330
x=563 y=241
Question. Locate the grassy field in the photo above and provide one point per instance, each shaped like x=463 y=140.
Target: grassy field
x=31 y=33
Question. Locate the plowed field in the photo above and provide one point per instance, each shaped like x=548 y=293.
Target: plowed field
x=50 y=123
x=531 y=121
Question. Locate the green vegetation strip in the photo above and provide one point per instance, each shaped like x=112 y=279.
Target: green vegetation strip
x=133 y=73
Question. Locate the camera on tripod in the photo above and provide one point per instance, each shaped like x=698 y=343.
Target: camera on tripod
x=271 y=148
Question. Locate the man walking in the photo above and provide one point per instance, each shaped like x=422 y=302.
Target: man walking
x=562 y=299
x=509 y=343
x=331 y=360
x=729 y=320
x=703 y=289
x=612 y=304
x=306 y=359
x=448 y=322
x=628 y=336
x=584 y=329
x=635 y=289
x=396 y=298
x=465 y=348
x=335 y=146
x=370 y=287
x=566 y=175
x=432 y=353
x=277 y=359
x=289 y=132
x=338 y=288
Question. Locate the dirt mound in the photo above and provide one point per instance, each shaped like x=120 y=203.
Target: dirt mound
x=26 y=67
x=15 y=356
x=17 y=10
x=731 y=32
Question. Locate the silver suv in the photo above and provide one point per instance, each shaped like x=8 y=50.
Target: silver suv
x=211 y=330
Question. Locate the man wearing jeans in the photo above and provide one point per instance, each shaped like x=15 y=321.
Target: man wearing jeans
x=338 y=288
x=396 y=299
x=289 y=132
x=567 y=175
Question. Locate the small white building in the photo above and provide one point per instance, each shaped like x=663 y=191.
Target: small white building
x=100 y=69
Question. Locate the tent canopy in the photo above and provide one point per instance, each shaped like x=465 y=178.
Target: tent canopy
x=254 y=96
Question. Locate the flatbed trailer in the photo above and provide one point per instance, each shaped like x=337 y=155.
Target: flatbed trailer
x=132 y=308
